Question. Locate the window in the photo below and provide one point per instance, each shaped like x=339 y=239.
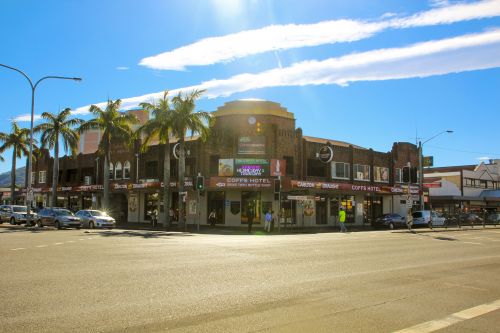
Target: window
x=214 y=165
x=152 y=169
x=361 y=172
x=399 y=175
x=289 y=164
x=126 y=170
x=381 y=174
x=118 y=171
x=33 y=178
x=340 y=170
x=42 y=176
x=315 y=168
x=111 y=170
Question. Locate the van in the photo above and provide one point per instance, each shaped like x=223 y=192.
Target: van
x=424 y=217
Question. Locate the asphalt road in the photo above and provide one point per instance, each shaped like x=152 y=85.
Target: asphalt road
x=143 y=281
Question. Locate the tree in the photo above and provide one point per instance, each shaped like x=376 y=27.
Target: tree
x=184 y=120
x=159 y=127
x=55 y=128
x=18 y=139
x=115 y=128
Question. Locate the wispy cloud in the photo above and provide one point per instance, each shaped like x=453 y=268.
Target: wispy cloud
x=122 y=68
x=437 y=57
x=226 y=48
x=26 y=117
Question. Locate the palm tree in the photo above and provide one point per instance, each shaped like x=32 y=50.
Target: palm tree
x=18 y=139
x=115 y=128
x=58 y=126
x=184 y=120
x=159 y=127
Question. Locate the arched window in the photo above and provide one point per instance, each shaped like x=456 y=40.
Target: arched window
x=126 y=170
x=118 y=170
x=111 y=170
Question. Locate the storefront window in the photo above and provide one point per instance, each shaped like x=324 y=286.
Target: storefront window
x=381 y=174
x=126 y=170
x=340 y=170
x=118 y=170
x=151 y=205
x=315 y=168
x=361 y=172
x=349 y=204
x=398 y=175
x=111 y=170
x=250 y=200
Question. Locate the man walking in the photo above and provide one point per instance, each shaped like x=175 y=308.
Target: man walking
x=267 y=225
x=212 y=217
x=342 y=220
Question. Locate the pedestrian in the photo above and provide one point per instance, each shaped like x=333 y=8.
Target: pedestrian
x=409 y=220
x=342 y=220
x=273 y=220
x=154 y=217
x=212 y=217
x=268 y=219
x=250 y=216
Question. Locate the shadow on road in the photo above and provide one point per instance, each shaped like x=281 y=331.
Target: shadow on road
x=143 y=234
x=17 y=228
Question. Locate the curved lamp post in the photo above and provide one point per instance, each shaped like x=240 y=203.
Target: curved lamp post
x=421 y=167
x=29 y=192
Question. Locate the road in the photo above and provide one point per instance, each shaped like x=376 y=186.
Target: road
x=153 y=281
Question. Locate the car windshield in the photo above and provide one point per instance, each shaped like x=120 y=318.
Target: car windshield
x=97 y=213
x=19 y=209
x=62 y=212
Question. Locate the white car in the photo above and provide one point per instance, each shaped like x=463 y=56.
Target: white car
x=424 y=217
x=15 y=214
x=95 y=219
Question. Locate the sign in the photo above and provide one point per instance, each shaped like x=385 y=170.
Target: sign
x=251 y=167
x=350 y=187
x=240 y=182
x=428 y=161
x=176 y=150
x=278 y=167
x=298 y=197
x=325 y=154
x=226 y=167
x=251 y=145
x=29 y=196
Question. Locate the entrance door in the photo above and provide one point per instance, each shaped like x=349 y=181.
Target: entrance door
x=215 y=200
x=250 y=200
x=321 y=212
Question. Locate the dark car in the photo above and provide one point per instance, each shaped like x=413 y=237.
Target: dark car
x=390 y=221
x=493 y=218
x=57 y=217
x=470 y=218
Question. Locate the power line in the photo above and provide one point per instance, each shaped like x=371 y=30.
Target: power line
x=465 y=151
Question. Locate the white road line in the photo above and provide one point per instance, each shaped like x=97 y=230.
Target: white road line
x=58 y=243
x=82 y=239
x=472 y=243
x=454 y=318
x=41 y=246
x=19 y=248
x=70 y=241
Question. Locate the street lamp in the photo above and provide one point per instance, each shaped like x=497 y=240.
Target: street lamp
x=421 y=167
x=29 y=191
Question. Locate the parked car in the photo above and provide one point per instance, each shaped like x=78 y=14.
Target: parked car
x=95 y=219
x=391 y=221
x=493 y=218
x=57 y=217
x=14 y=214
x=470 y=218
x=425 y=217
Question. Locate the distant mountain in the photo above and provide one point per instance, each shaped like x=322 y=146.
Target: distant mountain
x=20 y=175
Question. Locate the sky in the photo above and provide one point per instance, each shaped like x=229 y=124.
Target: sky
x=366 y=72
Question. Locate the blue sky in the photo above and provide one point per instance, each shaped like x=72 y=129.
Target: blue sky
x=366 y=72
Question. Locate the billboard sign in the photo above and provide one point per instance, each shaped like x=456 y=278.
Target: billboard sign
x=251 y=167
x=251 y=145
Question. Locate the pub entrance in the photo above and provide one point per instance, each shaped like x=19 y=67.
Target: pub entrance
x=216 y=201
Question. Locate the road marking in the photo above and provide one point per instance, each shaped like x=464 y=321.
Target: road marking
x=58 y=243
x=70 y=241
x=41 y=246
x=472 y=243
x=19 y=248
x=454 y=318
x=82 y=239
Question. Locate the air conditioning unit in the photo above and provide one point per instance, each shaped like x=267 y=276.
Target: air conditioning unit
x=87 y=180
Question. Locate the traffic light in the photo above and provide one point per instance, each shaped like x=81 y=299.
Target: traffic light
x=258 y=128
x=413 y=174
x=277 y=186
x=200 y=183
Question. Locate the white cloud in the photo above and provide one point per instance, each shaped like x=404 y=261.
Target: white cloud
x=26 y=118
x=212 y=50
x=438 y=57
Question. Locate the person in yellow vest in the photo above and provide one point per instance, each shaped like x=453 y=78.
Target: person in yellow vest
x=342 y=220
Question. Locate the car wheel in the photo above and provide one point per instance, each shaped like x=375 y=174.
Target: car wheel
x=58 y=225
x=12 y=221
x=39 y=223
x=91 y=225
x=391 y=226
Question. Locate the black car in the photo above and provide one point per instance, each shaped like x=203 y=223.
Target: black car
x=391 y=221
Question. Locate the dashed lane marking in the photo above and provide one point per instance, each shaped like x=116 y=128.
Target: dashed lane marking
x=41 y=246
x=19 y=248
x=454 y=318
x=472 y=243
x=58 y=243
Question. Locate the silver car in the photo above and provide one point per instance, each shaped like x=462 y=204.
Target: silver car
x=15 y=214
x=95 y=219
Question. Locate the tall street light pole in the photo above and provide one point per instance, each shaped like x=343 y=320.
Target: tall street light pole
x=421 y=167
x=29 y=192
